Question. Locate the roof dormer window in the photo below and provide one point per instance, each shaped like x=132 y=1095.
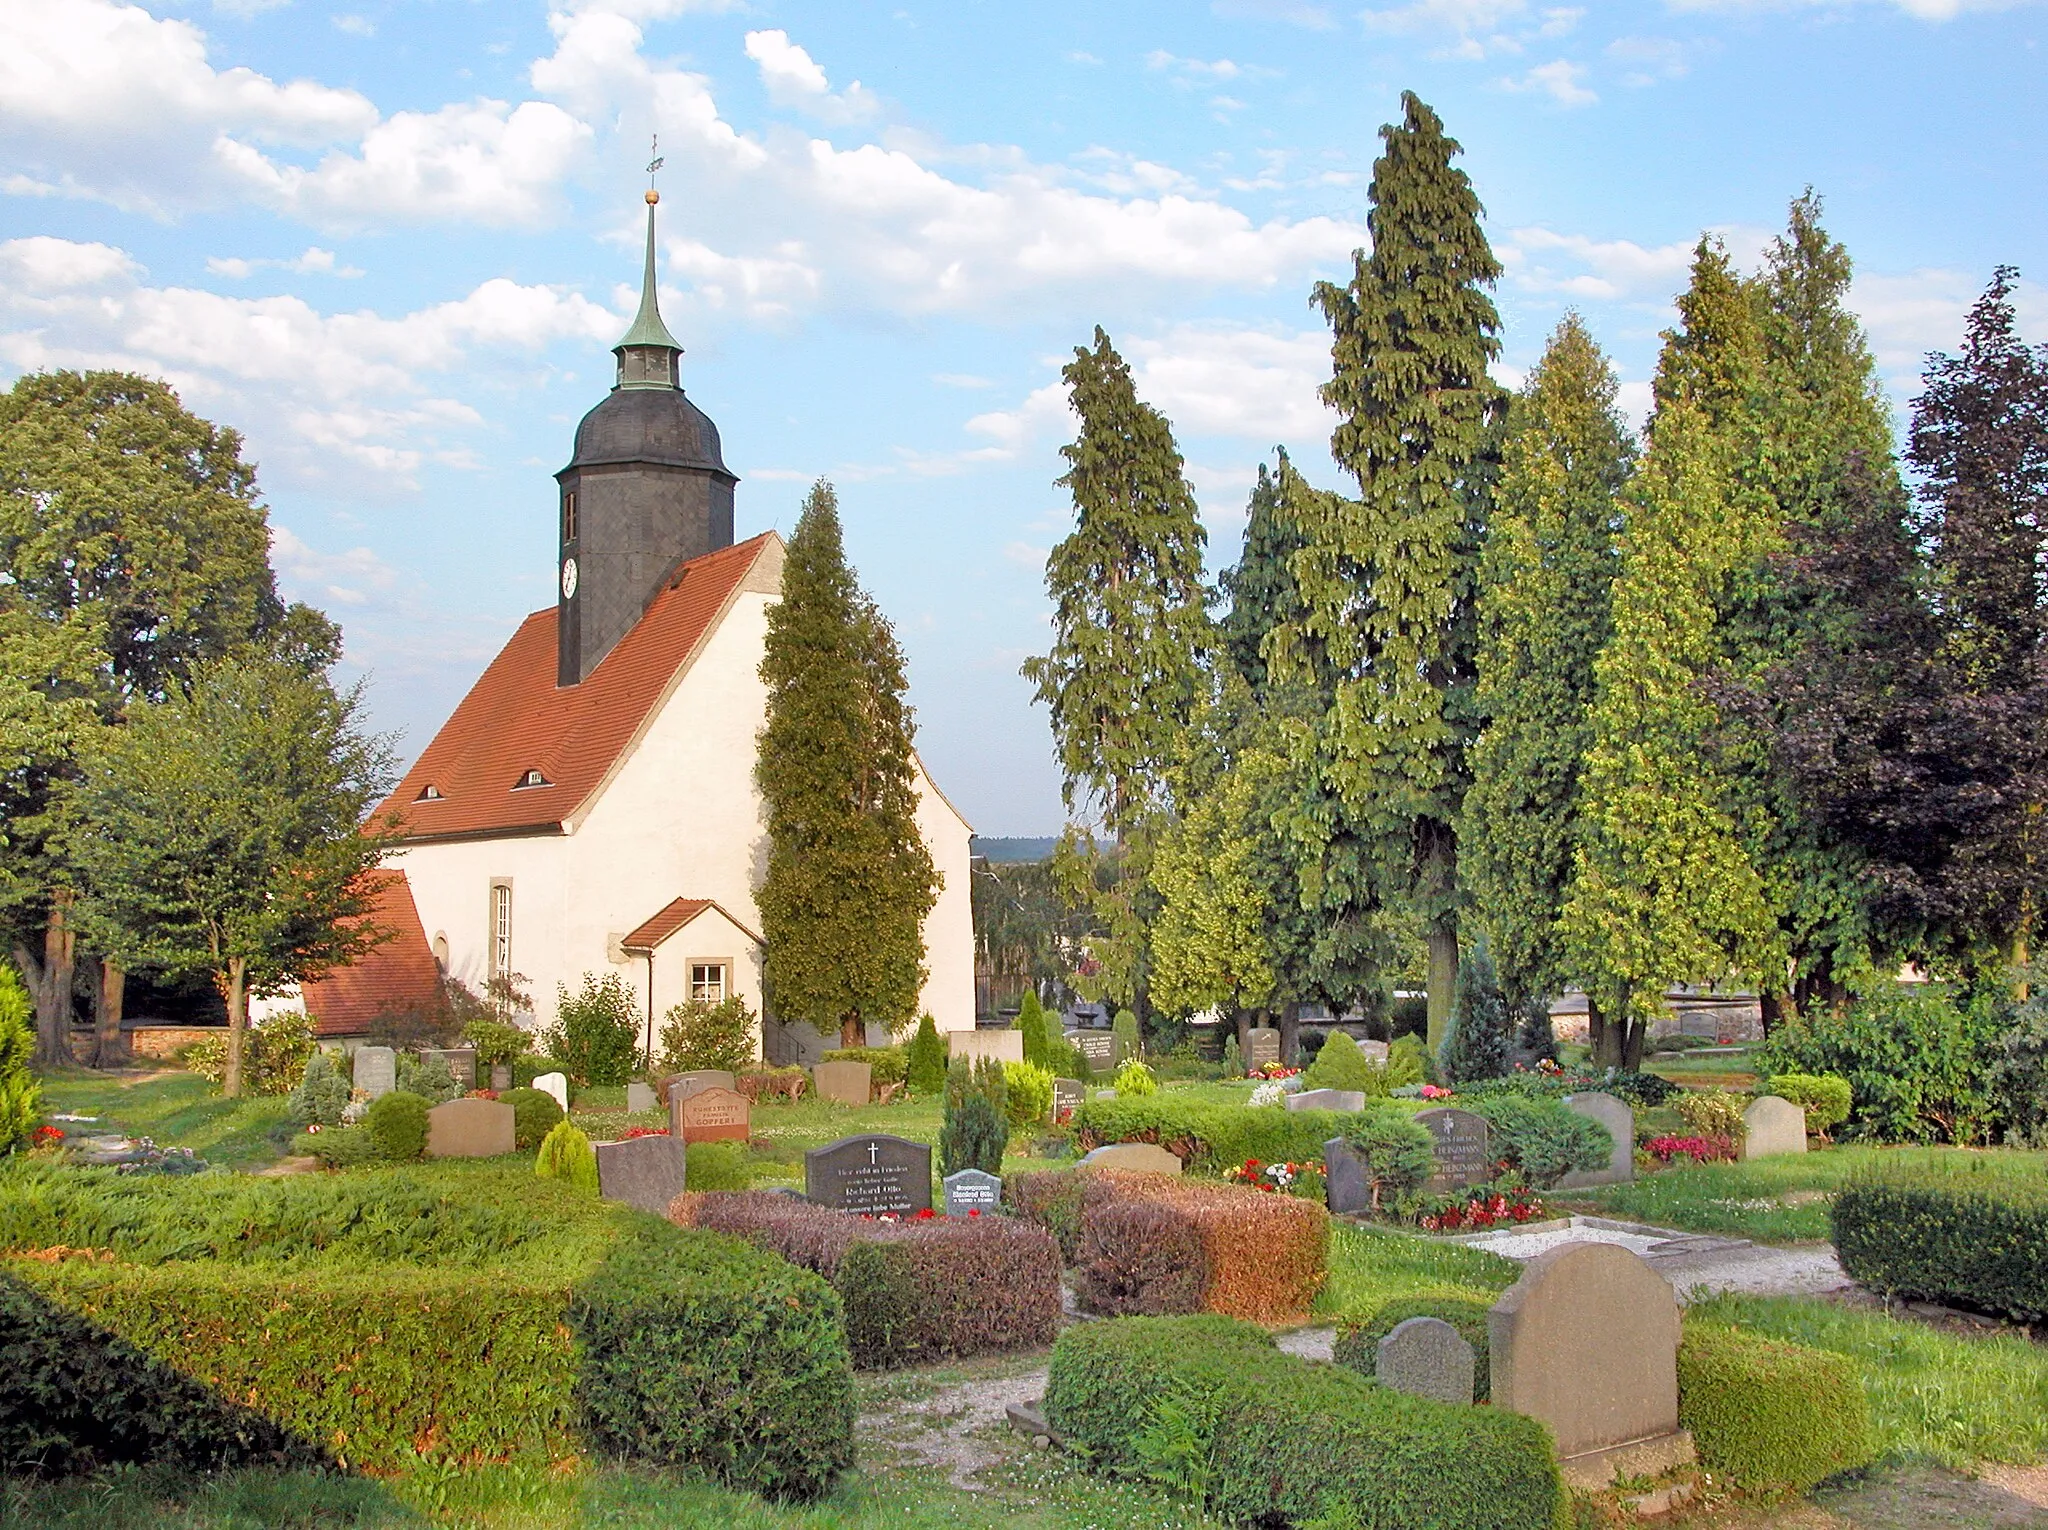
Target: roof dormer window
x=429 y=793
x=531 y=778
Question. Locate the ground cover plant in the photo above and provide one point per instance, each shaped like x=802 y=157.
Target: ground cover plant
x=174 y=1107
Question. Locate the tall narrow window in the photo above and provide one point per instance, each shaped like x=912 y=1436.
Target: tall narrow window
x=501 y=929
x=569 y=515
x=707 y=982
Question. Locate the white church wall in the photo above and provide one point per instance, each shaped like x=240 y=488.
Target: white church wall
x=949 y=928
x=451 y=887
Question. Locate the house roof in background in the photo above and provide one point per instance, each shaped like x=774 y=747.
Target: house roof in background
x=677 y=913
x=397 y=975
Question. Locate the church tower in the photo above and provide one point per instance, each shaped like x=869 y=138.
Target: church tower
x=645 y=491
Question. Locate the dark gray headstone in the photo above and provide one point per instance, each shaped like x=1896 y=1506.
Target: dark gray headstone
x=1067 y=1094
x=376 y=1071
x=1345 y=1186
x=973 y=1190
x=1426 y=1357
x=874 y=1173
x=1462 y=1156
x=1261 y=1046
x=1620 y=1122
x=1098 y=1049
x=647 y=1172
x=461 y=1063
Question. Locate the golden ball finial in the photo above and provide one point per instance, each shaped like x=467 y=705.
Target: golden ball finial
x=653 y=196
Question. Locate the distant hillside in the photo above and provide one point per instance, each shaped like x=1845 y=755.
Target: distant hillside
x=995 y=848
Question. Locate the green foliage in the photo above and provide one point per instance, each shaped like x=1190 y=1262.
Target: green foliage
x=1210 y=1137
x=1123 y=1038
x=1917 y=1058
x=698 y=1034
x=1769 y=1416
x=1029 y=1089
x=1396 y=1150
x=1360 y=1331
x=1544 y=1139
x=1825 y=1098
x=886 y=1065
x=719 y=1166
x=976 y=1130
x=1408 y=1062
x=338 y=1147
x=322 y=1094
x=1065 y=1060
x=1339 y=1064
x=925 y=1065
x=535 y=1113
x=20 y=1095
x=596 y=1035
x=1712 y=1113
x=849 y=879
x=431 y=1078
x=496 y=1043
x=1482 y=1036
x=397 y=1123
x=1134 y=1079
x=275 y=1052
x=1030 y=1022
x=1277 y=1439
x=566 y=1154
x=1958 y=1235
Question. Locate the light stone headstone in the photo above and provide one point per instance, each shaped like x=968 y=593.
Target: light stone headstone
x=1345 y=1186
x=376 y=1071
x=1003 y=1046
x=687 y=1084
x=1097 y=1048
x=639 y=1097
x=711 y=1115
x=1261 y=1046
x=1067 y=1095
x=647 y=1172
x=1375 y=1051
x=1426 y=1357
x=846 y=1083
x=1326 y=1099
x=1133 y=1157
x=1620 y=1122
x=1462 y=1157
x=1771 y=1127
x=973 y=1190
x=556 y=1084
x=876 y=1175
x=470 y=1128
x=1587 y=1342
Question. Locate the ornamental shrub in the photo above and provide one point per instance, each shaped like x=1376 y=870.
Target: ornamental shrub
x=1065 y=1060
x=1139 y=1255
x=497 y=1043
x=1771 y=1416
x=1123 y=1037
x=718 y=1166
x=1712 y=1113
x=1825 y=1098
x=534 y=1114
x=428 y=1077
x=1051 y=1199
x=1031 y=1022
x=1029 y=1089
x=976 y=1129
x=1408 y=1062
x=596 y=1035
x=924 y=1065
x=1960 y=1235
x=322 y=1094
x=21 y=1099
x=1359 y=1333
x=274 y=1054
x=699 y=1034
x=1341 y=1065
x=1396 y=1150
x=1208 y=1137
x=1133 y=1080
x=1233 y=1057
x=397 y=1123
x=1544 y=1139
x=886 y=1065
x=1274 y=1439
x=1480 y=1042
x=338 y=1147
x=566 y=1154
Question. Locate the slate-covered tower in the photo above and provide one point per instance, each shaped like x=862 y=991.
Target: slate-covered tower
x=646 y=490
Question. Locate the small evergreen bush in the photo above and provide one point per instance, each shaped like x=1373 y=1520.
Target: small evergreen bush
x=1544 y=1139
x=1030 y=1022
x=1123 y=1035
x=497 y=1043
x=1771 y=1416
x=566 y=1154
x=1134 y=1080
x=924 y=1067
x=698 y=1034
x=976 y=1129
x=428 y=1077
x=1396 y=1150
x=1233 y=1058
x=1065 y=1060
x=1341 y=1065
x=338 y=1147
x=1825 y=1099
x=596 y=1035
x=1408 y=1062
x=21 y=1099
x=534 y=1114
x=1029 y=1090
x=322 y=1094
x=397 y=1123
x=1480 y=1042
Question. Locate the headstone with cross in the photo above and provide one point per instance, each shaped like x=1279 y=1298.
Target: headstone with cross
x=874 y=1174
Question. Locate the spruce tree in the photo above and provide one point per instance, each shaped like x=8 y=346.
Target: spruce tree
x=1387 y=579
x=1550 y=559
x=1261 y=587
x=1481 y=1043
x=1130 y=631
x=849 y=879
x=925 y=1067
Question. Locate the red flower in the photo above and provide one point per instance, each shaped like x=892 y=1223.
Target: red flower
x=974 y=1211
x=925 y=1215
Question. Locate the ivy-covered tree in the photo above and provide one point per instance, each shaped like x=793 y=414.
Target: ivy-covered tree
x=1386 y=580
x=1550 y=559
x=849 y=879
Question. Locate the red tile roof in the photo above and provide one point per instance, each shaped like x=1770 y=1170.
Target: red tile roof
x=399 y=974
x=678 y=912
x=515 y=718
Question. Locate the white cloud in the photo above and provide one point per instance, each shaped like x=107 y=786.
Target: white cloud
x=1560 y=79
x=349 y=578
x=1646 y=60
x=1472 y=29
x=960 y=380
x=1924 y=10
x=1612 y=269
x=1193 y=69
x=354 y=26
x=314 y=262
x=1231 y=380
x=794 y=79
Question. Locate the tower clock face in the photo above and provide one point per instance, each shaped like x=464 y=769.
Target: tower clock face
x=568 y=579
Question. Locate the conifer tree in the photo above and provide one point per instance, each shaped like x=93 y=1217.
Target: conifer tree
x=1130 y=631
x=1481 y=1043
x=1261 y=587
x=1387 y=579
x=849 y=879
x=1551 y=556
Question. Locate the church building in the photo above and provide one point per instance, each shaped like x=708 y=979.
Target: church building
x=590 y=807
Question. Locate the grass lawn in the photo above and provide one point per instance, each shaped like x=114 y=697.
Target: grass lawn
x=175 y=1109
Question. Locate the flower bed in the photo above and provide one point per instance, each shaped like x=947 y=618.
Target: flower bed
x=1701 y=1149
x=1477 y=1210
x=1302 y=1179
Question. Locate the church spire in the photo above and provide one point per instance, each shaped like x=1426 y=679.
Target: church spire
x=648 y=354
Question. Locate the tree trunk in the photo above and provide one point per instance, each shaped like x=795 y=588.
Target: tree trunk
x=53 y=993
x=1771 y=1007
x=237 y=995
x=1607 y=1037
x=112 y=1051
x=1638 y=1032
x=1290 y=1034
x=1443 y=979
x=851 y=1032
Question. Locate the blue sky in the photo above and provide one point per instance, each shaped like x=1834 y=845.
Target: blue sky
x=392 y=241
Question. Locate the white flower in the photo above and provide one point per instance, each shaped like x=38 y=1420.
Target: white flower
x=1268 y=1093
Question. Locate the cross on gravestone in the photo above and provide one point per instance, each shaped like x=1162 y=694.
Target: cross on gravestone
x=875 y=1174
x=376 y=1071
x=1620 y=1122
x=647 y=1172
x=1461 y=1150
x=1067 y=1094
x=973 y=1190
x=1426 y=1357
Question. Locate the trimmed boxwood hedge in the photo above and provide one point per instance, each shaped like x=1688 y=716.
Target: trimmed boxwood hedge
x=1359 y=1333
x=1771 y=1416
x=1277 y=1439
x=1215 y=1137
x=1958 y=1236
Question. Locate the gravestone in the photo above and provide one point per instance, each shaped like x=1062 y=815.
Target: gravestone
x=1462 y=1157
x=1097 y=1048
x=1426 y=1357
x=847 y=1083
x=874 y=1174
x=556 y=1084
x=647 y=1172
x=1375 y=1051
x=639 y=1097
x=1326 y=1099
x=1261 y=1046
x=469 y=1128
x=461 y=1063
x=689 y=1083
x=1133 y=1157
x=1587 y=1342
x=376 y=1071
x=1003 y=1046
x=1771 y=1127
x=1345 y=1186
x=1067 y=1094
x=501 y=1076
x=711 y=1115
x=973 y=1190
x=1620 y=1122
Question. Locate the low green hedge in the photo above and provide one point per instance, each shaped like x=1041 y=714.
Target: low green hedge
x=886 y=1065
x=1359 y=1333
x=1958 y=1236
x=1770 y=1416
x=1214 y=1137
x=1209 y=1406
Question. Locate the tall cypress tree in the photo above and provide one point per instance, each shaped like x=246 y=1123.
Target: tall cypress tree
x=1387 y=579
x=1130 y=631
x=849 y=878
x=1551 y=556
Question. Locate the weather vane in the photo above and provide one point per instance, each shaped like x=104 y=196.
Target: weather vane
x=653 y=165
